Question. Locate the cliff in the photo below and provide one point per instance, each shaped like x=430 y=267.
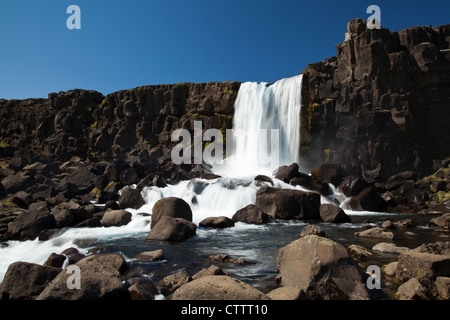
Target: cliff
x=382 y=104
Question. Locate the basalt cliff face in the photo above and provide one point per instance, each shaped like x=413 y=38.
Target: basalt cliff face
x=379 y=107
x=382 y=104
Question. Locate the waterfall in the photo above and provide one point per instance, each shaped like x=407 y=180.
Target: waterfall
x=266 y=128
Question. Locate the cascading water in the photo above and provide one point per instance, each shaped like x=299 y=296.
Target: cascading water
x=266 y=129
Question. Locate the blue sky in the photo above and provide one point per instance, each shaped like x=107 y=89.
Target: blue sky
x=125 y=44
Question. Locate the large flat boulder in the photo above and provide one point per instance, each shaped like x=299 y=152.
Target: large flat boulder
x=320 y=267
x=419 y=264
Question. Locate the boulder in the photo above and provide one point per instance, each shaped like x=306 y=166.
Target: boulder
x=142 y=289
x=82 y=178
x=217 y=222
x=172 y=229
x=312 y=229
x=260 y=179
x=443 y=221
x=151 y=255
x=387 y=247
x=286 y=173
x=212 y=270
x=55 y=260
x=224 y=258
x=412 y=290
x=352 y=185
x=286 y=293
x=25 y=281
x=376 y=232
x=115 y=218
x=130 y=198
x=397 y=180
x=218 y=288
x=172 y=282
x=17 y=182
x=22 y=199
x=307 y=182
x=359 y=252
x=443 y=287
x=417 y=264
x=288 y=204
x=101 y=279
x=171 y=207
x=366 y=200
x=328 y=173
x=320 y=267
x=440 y=247
x=63 y=217
x=390 y=268
x=29 y=224
x=250 y=214
x=333 y=214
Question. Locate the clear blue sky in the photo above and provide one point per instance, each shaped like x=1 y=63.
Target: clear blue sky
x=125 y=44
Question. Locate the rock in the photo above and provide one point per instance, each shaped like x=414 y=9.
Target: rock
x=309 y=183
x=333 y=214
x=260 y=179
x=397 y=180
x=417 y=264
x=356 y=26
x=224 y=258
x=73 y=254
x=55 y=260
x=217 y=222
x=376 y=232
x=25 y=281
x=94 y=222
x=388 y=225
x=312 y=229
x=151 y=255
x=115 y=218
x=366 y=200
x=17 y=182
x=63 y=217
x=286 y=293
x=408 y=223
x=352 y=186
x=218 y=288
x=442 y=221
x=82 y=178
x=101 y=279
x=412 y=290
x=359 y=252
x=320 y=267
x=250 y=214
x=159 y=182
x=387 y=247
x=171 y=207
x=443 y=288
x=169 y=284
x=130 y=198
x=142 y=289
x=212 y=270
x=288 y=204
x=29 y=224
x=286 y=173
x=440 y=247
x=390 y=268
x=22 y=199
x=172 y=229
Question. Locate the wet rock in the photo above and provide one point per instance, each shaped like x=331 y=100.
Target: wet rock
x=55 y=260
x=288 y=204
x=130 y=198
x=63 y=217
x=250 y=214
x=442 y=221
x=94 y=222
x=320 y=267
x=366 y=200
x=151 y=255
x=440 y=247
x=312 y=229
x=172 y=229
x=329 y=173
x=101 y=280
x=218 y=288
x=333 y=214
x=259 y=179
x=29 y=224
x=171 y=207
x=25 y=281
x=376 y=232
x=287 y=173
x=224 y=258
x=408 y=223
x=217 y=222
x=115 y=218
x=352 y=185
